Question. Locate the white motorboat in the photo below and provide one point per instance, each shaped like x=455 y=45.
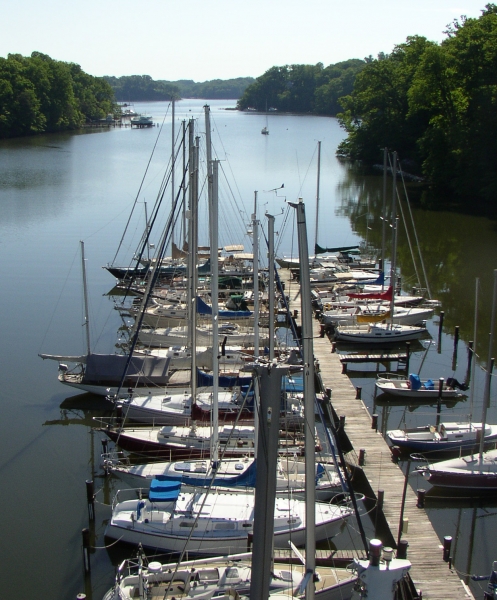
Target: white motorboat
x=414 y=387
x=446 y=437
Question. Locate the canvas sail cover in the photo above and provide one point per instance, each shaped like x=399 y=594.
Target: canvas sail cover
x=373 y=318
x=107 y=369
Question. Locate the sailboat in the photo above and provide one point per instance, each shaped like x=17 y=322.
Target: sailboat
x=477 y=471
x=265 y=129
x=104 y=374
x=211 y=522
x=220 y=577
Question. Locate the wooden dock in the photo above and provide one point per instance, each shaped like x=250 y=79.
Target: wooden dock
x=429 y=572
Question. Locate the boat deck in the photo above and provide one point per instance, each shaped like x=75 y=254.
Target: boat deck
x=429 y=572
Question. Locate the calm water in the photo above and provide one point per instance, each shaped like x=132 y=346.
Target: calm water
x=60 y=189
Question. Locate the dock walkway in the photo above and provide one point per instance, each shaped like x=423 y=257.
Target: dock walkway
x=429 y=572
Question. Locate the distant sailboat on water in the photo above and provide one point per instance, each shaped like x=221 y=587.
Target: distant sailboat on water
x=265 y=129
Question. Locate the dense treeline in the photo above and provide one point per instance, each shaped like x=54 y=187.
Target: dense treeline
x=39 y=94
x=436 y=105
x=303 y=88
x=131 y=88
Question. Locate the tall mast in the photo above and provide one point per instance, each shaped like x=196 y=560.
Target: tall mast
x=317 y=196
x=270 y=236
x=192 y=255
x=384 y=210
x=85 y=298
x=394 y=221
x=184 y=183
x=172 y=172
x=255 y=245
x=488 y=374
x=213 y=199
x=309 y=400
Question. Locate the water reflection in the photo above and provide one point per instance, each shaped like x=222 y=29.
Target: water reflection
x=455 y=250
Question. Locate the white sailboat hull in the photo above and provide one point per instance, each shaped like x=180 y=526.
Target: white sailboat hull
x=378 y=333
x=222 y=525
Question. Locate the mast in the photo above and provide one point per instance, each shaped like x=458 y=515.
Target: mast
x=270 y=219
x=317 y=195
x=384 y=210
x=255 y=246
x=309 y=400
x=192 y=255
x=183 y=184
x=255 y=250
x=85 y=298
x=172 y=171
x=394 y=220
x=488 y=373
x=215 y=311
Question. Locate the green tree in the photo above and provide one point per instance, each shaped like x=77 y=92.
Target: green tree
x=377 y=114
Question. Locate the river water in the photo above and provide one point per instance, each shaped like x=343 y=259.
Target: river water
x=57 y=190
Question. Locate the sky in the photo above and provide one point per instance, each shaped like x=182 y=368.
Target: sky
x=218 y=39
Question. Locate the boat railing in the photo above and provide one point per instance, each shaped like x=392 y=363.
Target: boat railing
x=390 y=375
x=129 y=494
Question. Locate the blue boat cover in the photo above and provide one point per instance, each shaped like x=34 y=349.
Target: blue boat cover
x=415 y=381
x=205 y=309
x=164 y=489
x=226 y=381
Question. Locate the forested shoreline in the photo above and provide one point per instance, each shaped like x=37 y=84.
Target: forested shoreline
x=42 y=95
x=434 y=104
x=136 y=88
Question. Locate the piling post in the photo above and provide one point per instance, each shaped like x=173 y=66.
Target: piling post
x=402 y=549
x=421 y=498
x=446 y=547
x=90 y=497
x=374 y=422
x=362 y=457
x=456 y=342
x=358 y=393
x=86 y=551
x=440 y=328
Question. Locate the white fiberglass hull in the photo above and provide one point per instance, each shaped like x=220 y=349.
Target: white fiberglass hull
x=473 y=472
x=220 y=526
x=378 y=333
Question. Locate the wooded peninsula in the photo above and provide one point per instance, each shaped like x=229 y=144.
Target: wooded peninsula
x=435 y=104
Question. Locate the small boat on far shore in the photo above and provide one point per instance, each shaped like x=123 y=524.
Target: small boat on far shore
x=141 y=121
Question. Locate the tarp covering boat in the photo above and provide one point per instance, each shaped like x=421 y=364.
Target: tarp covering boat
x=373 y=317
x=227 y=381
x=205 y=309
x=111 y=367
